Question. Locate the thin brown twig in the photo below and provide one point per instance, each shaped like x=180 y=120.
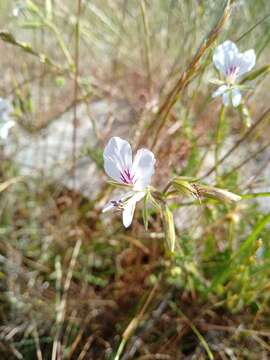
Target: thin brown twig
x=205 y=326
x=246 y=160
x=75 y=120
x=147 y=46
x=132 y=326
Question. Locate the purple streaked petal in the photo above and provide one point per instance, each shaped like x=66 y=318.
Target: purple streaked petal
x=143 y=168
x=117 y=158
x=246 y=61
x=127 y=177
x=224 y=56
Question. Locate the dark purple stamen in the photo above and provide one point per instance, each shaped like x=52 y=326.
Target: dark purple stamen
x=118 y=204
x=126 y=177
x=232 y=70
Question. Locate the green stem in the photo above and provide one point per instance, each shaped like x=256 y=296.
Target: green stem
x=219 y=140
x=120 y=349
x=255 y=195
x=61 y=42
x=194 y=329
x=167 y=187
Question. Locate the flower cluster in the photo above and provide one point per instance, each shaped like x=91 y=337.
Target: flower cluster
x=232 y=64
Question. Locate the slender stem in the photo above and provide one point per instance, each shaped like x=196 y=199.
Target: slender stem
x=62 y=300
x=194 y=329
x=253 y=27
x=167 y=187
x=219 y=140
x=146 y=43
x=246 y=160
x=255 y=195
x=132 y=326
x=120 y=349
x=61 y=42
x=75 y=121
x=264 y=116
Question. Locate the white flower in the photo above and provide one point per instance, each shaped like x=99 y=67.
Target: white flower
x=135 y=174
x=6 y=123
x=18 y=9
x=232 y=65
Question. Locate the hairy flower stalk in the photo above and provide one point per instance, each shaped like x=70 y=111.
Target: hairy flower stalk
x=232 y=64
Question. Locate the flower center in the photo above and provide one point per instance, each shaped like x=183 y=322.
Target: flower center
x=126 y=177
x=231 y=73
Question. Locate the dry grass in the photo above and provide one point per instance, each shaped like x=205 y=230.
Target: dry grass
x=74 y=283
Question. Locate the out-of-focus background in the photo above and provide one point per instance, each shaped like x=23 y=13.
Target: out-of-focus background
x=74 y=283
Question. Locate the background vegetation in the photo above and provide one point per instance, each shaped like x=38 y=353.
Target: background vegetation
x=74 y=283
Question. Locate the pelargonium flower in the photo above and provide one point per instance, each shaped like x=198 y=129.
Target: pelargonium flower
x=232 y=64
x=135 y=174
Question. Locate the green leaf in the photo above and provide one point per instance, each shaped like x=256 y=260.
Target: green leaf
x=244 y=250
x=242 y=254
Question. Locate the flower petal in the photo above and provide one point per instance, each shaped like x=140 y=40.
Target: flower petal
x=138 y=195
x=143 y=168
x=224 y=56
x=246 y=61
x=127 y=203
x=220 y=91
x=117 y=158
x=129 y=207
x=236 y=97
x=226 y=97
x=128 y=213
x=109 y=206
x=5 y=127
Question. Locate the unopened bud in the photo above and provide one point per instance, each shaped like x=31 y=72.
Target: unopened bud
x=216 y=193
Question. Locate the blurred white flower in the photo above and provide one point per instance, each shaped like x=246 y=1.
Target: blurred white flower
x=232 y=65
x=18 y=9
x=135 y=174
x=6 y=123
